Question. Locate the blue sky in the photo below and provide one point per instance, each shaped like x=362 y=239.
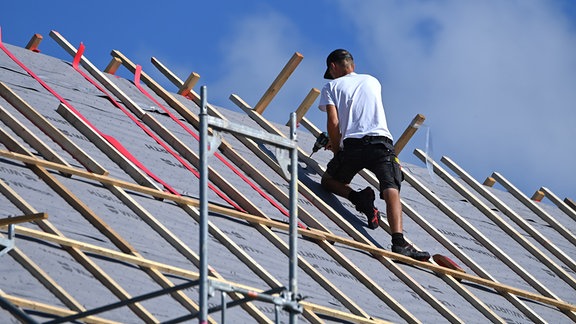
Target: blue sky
x=495 y=79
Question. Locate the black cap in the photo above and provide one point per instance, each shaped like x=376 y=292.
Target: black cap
x=336 y=56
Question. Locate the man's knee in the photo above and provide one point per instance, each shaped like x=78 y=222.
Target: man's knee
x=390 y=194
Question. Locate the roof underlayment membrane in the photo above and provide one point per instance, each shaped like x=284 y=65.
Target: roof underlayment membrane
x=46 y=279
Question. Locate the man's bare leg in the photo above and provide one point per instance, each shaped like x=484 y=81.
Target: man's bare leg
x=393 y=209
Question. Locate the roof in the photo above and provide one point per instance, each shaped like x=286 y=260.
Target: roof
x=99 y=175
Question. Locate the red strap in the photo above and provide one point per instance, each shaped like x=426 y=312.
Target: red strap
x=148 y=132
x=137 y=75
x=110 y=139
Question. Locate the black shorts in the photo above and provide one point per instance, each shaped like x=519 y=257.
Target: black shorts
x=359 y=154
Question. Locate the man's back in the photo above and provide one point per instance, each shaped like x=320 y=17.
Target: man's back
x=358 y=99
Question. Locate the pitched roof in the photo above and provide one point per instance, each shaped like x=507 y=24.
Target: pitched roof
x=108 y=169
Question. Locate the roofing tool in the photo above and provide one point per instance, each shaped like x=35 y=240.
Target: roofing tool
x=321 y=141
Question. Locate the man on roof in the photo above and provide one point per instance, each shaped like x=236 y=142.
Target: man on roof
x=360 y=139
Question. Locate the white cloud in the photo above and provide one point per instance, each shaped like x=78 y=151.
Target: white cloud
x=255 y=51
x=494 y=79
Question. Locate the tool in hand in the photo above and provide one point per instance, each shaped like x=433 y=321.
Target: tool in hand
x=321 y=141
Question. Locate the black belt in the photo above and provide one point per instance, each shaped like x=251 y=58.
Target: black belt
x=367 y=139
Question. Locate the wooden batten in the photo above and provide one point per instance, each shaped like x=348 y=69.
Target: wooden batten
x=189 y=84
x=34 y=43
x=53 y=132
x=305 y=105
x=514 y=216
x=23 y=219
x=563 y=205
x=408 y=133
x=278 y=82
x=28 y=136
x=570 y=203
x=489 y=182
x=565 y=232
x=538 y=196
x=113 y=66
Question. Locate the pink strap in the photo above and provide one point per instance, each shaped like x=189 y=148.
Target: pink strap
x=137 y=75
x=149 y=133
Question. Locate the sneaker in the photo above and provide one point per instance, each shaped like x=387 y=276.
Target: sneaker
x=373 y=221
x=409 y=251
x=364 y=202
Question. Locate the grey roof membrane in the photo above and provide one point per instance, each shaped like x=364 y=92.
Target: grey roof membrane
x=143 y=221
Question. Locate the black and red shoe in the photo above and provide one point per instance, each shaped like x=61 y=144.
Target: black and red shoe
x=374 y=219
x=409 y=251
x=363 y=200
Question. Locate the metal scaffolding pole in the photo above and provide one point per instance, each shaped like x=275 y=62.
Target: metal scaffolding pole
x=208 y=145
x=203 y=298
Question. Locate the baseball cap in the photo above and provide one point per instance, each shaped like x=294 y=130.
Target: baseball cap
x=336 y=56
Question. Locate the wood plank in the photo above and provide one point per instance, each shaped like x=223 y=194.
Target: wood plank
x=278 y=82
x=489 y=182
x=22 y=219
x=189 y=84
x=98 y=223
x=34 y=43
x=408 y=133
x=47 y=281
x=561 y=229
x=140 y=114
x=53 y=132
x=91 y=266
x=49 y=309
x=98 y=75
x=515 y=217
x=570 y=203
x=310 y=233
x=214 y=176
x=563 y=205
x=538 y=196
x=101 y=143
x=29 y=137
x=161 y=67
x=185 y=273
x=493 y=216
x=113 y=66
x=487 y=243
x=305 y=105
x=175 y=242
x=507 y=229
x=29 y=265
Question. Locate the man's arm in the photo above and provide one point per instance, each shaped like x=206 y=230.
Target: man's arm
x=333 y=128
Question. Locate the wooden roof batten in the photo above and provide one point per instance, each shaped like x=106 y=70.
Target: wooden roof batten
x=315 y=230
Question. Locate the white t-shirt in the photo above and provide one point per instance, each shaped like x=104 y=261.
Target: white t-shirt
x=358 y=99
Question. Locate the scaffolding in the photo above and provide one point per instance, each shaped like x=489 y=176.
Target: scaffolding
x=287 y=157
